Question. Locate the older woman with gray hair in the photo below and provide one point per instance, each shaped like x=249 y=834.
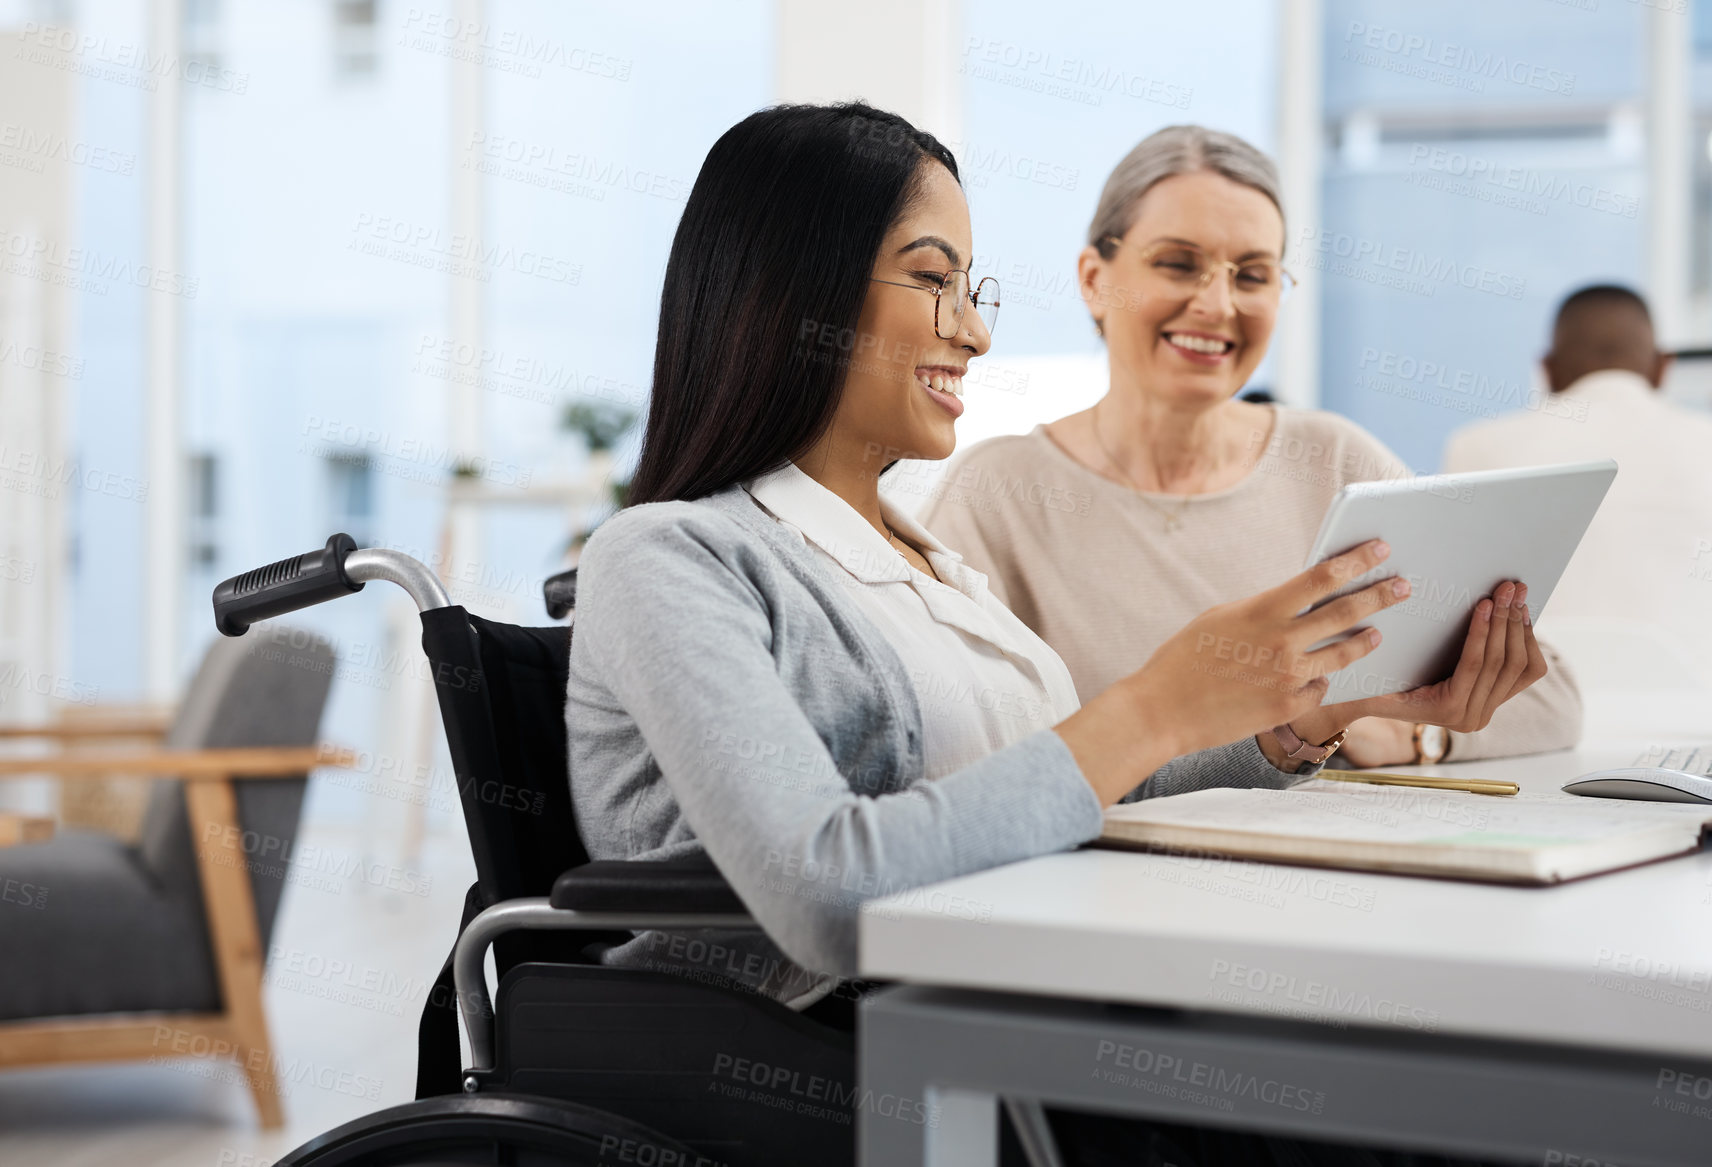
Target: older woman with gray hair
x=1177 y=482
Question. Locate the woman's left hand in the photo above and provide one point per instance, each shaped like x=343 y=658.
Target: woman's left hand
x=1500 y=658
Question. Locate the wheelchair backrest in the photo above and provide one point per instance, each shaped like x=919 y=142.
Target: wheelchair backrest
x=501 y=690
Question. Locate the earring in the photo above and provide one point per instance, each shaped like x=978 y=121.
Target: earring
x=1099 y=328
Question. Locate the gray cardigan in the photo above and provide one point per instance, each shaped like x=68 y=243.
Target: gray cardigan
x=725 y=694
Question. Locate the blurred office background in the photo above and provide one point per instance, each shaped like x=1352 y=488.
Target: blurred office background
x=269 y=271
x=272 y=271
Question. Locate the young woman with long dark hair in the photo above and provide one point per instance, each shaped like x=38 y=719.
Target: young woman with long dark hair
x=773 y=665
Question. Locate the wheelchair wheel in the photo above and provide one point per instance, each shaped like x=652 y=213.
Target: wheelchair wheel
x=466 y=1130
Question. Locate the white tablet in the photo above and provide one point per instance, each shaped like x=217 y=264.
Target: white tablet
x=1455 y=537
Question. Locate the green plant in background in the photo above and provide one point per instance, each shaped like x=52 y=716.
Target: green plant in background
x=617 y=490
x=600 y=423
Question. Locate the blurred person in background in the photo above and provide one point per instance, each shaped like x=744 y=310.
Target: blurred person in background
x=1170 y=480
x=1646 y=559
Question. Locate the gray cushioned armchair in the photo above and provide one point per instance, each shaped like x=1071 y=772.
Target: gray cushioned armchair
x=111 y=950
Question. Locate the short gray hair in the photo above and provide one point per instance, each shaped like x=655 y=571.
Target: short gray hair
x=1172 y=151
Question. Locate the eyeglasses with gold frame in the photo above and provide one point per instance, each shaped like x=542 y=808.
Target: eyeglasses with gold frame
x=1181 y=270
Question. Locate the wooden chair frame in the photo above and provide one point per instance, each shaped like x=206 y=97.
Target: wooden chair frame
x=102 y=722
x=239 y=1031
x=105 y=726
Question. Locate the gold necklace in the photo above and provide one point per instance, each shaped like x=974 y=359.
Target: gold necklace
x=1173 y=519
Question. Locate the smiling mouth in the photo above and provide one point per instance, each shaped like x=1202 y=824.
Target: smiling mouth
x=1206 y=346
x=945 y=380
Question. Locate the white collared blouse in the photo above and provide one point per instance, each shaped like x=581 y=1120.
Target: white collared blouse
x=982 y=678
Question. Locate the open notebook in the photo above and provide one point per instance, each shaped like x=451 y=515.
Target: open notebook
x=1520 y=839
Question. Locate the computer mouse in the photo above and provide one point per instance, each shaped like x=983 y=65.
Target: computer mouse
x=1644 y=784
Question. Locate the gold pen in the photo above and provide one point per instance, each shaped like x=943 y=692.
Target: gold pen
x=1377 y=778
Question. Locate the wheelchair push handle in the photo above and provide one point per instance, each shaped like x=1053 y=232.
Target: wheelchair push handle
x=302 y=581
x=560 y=593
x=314 y=577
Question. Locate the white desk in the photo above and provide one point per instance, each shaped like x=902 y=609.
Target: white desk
x=1378 y=967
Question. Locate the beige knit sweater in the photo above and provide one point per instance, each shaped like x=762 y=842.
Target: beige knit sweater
x=1089 y=565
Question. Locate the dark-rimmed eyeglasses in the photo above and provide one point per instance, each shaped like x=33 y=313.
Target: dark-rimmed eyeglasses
x=955 y=288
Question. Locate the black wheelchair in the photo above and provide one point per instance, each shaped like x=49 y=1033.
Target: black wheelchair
x=573 y=1062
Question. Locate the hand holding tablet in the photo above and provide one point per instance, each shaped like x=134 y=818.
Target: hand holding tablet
x=1463 y=542
x=1417 y=605
x=1500 y=658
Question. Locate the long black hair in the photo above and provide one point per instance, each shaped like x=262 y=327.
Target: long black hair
x=764 y=288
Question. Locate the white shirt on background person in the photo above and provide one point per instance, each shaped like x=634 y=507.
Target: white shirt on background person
x=1646 y=560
